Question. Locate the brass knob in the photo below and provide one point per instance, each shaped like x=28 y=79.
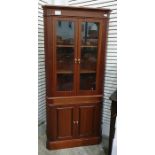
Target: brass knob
x=75 y=60
x=78 y=61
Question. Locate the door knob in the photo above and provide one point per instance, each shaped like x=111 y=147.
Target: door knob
x=78 y=61
x=75 y=60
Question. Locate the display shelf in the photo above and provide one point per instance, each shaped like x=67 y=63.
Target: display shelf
x=89 y=46
x=64 y=72
x=64 y=45
x=87 y=71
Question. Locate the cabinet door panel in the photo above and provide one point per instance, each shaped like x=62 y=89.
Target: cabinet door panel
x=88 y=53
x=65 y=42
x=86 y=120
x=90 y=120
x=60 y=122
x=64 y=122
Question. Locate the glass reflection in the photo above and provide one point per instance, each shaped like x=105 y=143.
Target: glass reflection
x=89 y=33
x=65 y=32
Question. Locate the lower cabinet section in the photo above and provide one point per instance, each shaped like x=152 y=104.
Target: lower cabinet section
x=73 y=125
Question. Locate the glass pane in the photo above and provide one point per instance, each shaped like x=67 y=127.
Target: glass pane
x=88 y=81
x=64 y=82
x=89 y=51
x=89 y=33
x=65 y=32
x=88 y=59
x=65 y=57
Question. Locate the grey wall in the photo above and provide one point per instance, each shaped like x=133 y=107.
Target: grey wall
x=111 y=59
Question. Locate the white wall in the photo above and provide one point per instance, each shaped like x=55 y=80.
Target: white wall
x=111 y=60
x=60 y=2
x=41 y=65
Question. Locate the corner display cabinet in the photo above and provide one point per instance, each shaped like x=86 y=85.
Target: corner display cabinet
x=75 y=47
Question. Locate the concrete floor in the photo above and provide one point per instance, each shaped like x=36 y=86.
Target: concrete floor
x=86 y=150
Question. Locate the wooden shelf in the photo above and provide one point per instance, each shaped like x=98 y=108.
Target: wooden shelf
x=89 y=46
x=65 y=45
x=71 y=72
x=64 y=72
x=87 y=71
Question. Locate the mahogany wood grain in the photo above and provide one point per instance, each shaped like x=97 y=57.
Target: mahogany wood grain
x=64 y=122
x=86 y=120
x=103 y=54
x=60 y=124
x=71 y=8
x=48 y=54
x=74 y=99
x=76 y=11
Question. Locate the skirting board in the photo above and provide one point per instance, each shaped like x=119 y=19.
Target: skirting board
x=73 y=143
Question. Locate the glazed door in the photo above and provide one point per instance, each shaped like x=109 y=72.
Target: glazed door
x=88 y=55
x=65 y=50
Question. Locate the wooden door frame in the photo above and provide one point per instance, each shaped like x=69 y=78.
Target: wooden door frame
x=96 y=91
x=64 y=93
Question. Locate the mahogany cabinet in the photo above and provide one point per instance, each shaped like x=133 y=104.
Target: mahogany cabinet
x=75 y=45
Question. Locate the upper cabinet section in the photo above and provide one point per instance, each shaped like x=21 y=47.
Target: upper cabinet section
x=52 y=10
x=75 y=43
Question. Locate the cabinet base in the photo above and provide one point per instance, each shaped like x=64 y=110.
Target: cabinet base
x=72 y=143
